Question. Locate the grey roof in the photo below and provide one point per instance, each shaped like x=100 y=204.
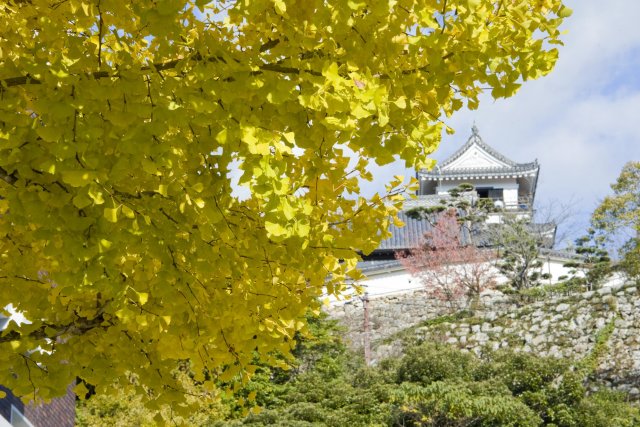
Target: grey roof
x=378 y=264
x=410 y=235
x=512 y=168
x=561 y=254
x=414 y=230
x=431 y=200
x=405 y=237
x=519 y=169
x=546 y=232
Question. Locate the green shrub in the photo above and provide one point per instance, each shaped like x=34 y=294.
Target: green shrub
x=606 y=408
x=458 y=403
x=432 y=385
x=435 y=362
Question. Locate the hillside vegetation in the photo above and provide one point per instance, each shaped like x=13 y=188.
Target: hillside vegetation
x=431 y=385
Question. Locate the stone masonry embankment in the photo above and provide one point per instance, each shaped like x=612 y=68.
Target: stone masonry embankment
x=559 y=326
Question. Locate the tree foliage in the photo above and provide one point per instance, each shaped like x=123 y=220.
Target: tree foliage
x=519 y=252
x=127 y=128
x=450 y=269
x=125 y=408
x=592 y=266
x=619 y=214
x=431 y=385
x=516 y=240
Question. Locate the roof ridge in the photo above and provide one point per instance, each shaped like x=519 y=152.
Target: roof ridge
x=518 y=168
x=475 y=138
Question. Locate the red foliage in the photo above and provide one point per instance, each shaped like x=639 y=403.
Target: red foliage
x=450 y=270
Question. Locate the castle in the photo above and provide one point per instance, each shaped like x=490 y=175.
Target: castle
x=511 y=188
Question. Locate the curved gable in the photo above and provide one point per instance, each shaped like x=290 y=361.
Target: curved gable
x=475 y=157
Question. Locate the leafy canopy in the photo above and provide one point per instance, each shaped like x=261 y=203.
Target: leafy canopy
x=619 y=216
x=124 y=124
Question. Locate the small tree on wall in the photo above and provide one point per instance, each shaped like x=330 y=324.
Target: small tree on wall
x=451 y=270
x=519 y=253
x=593 y=265
x=618 y=218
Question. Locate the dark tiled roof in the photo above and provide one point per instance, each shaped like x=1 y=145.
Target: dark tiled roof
x=405 y=237
x=561 y=254
x=519 y=169
x=413 y=231
x=544 y=231
x=378 y=264
x=431 y=200
x=408 y=236
x=60 y=412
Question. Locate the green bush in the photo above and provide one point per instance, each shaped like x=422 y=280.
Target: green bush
x=432 y=385
x=453 y=403
x=606 y=408
x=429 y=362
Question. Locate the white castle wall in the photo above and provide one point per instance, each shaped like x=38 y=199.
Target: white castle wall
x=399 y=280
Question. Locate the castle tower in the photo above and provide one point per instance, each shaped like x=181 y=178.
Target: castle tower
x=511 y=185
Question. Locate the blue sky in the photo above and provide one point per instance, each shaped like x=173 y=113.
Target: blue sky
x=582 y=122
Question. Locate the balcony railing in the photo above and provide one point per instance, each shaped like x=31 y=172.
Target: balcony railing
x=523 y=203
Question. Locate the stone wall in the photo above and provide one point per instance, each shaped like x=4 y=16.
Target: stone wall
x=560 y=326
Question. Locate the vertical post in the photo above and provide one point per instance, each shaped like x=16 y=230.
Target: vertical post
x=366 y=327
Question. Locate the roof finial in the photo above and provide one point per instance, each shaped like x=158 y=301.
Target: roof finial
x=474 y=129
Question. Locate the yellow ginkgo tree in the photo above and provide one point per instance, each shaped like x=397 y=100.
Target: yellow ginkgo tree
x=127 y=128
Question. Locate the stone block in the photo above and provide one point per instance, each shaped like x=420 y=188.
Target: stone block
x=538 y=340
x=604 y=291
x=481 y=337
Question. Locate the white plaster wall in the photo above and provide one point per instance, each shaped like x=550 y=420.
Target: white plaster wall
x=383 y=283
x=4 y=423
x=510 y=196
x=391 y=282
x=555 y=268
x=400 y=281
x=508 y=184
x=497 y=218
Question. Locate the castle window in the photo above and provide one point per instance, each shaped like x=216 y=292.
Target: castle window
x=483 y=193
x=495 y=194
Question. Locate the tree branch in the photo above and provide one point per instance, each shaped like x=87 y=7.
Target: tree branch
x=78 y=327
x=158 y=66
x=9 y=178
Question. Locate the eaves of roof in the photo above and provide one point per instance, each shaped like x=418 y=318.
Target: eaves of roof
x=521 y=169
x=379 y=265
x=560 y=254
